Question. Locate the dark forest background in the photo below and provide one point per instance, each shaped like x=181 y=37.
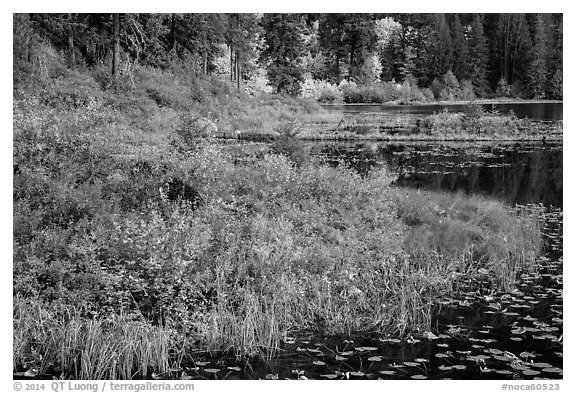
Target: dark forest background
x=476 y=55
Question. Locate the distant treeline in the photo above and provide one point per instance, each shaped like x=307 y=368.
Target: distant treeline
x=493 y=54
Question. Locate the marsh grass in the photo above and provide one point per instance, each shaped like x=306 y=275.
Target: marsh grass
x=483 y=236
x=476 y=121
x=62 y=341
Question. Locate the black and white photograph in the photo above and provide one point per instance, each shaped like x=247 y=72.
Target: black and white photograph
x=205 y=197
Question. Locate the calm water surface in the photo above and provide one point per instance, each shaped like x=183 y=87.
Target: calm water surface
x=514 y=173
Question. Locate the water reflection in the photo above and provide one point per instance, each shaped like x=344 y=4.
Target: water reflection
x=514 y=173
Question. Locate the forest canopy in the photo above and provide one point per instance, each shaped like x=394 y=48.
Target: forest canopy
x=480 y=55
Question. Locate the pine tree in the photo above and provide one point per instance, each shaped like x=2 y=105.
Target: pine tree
x=521 y=49
x=459 y=50
x=555 y=77
x=439 y=50
x=392 y=57
x=348 y=40
x=360 y=42
x=285 y=48
x=242 y=32
x=116 y=44
x=331 y=38
x=503 y=33
x=537 y=71
x=478 y=59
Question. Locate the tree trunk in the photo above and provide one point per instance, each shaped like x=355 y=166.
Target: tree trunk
x=116 y=47
x=231 y=64
x=238 y=70
x=71 y=58
x=173 y=33
x=30 y=42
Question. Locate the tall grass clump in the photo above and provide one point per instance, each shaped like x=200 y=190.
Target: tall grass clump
x=60 y=341
x=479 y=238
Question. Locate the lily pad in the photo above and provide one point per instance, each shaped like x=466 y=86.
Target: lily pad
x=503 y=372
x=418 y=376
x=340 y=358
x=212 y=370
x=388 y=372
x=375 y=359
x=530 y=372
x=411 y=364
x=357 y=373
x=329 y=376
x=518 y=366
x=555 y=370
x=318 y=363
x=234 y=368
x=366 y=349
x=541 y=365
x=31 y=373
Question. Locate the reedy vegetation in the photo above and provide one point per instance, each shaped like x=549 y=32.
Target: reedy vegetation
x=114 y=278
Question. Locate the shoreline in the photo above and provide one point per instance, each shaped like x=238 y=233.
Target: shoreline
x=394 y=138
x=486 y=101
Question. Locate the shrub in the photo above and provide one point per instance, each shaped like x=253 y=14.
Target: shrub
x=467 y=91
x=503 y=89
x=436 y=88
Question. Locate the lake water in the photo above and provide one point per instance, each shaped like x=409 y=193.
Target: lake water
x=536 y=111
x=515 y=173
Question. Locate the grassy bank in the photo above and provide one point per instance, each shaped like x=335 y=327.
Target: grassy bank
x=138 y=243
x=474 y=123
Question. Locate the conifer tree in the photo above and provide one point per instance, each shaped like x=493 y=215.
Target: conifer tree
x=537 y=71
x=440 y=49
x=285 y=48
x=459 y=50
x=478 y=59
x=555 y=77
x=521 y=49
